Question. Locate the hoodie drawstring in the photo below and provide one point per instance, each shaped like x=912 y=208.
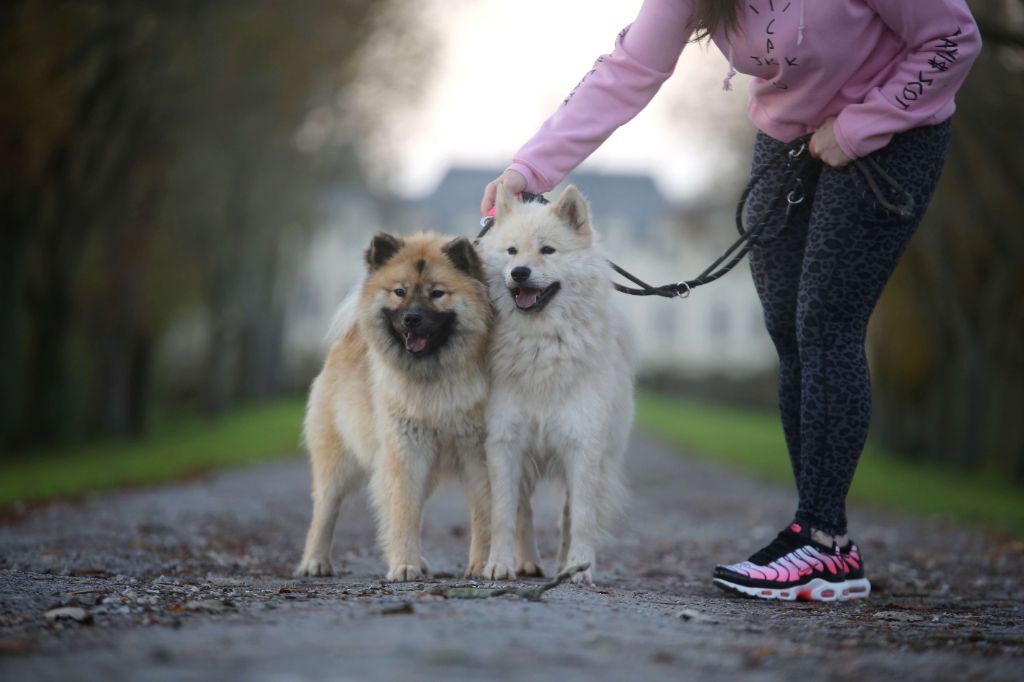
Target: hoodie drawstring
x=727 y=83
x=800 y=26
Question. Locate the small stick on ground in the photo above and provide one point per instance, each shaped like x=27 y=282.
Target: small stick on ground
x=528 y=593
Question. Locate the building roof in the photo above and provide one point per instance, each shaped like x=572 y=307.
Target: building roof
x=634 y=198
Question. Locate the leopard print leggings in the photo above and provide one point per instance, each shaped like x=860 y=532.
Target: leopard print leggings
x=818 y=279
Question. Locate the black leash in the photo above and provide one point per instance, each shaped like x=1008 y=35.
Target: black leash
x=797 y=159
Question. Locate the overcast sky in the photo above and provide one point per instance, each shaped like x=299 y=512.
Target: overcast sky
x=504 y=66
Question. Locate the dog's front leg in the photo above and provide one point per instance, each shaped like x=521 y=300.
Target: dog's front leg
x=526 y=543
x=504 y=464
x=565 y=533
x=507 y=440
x=400 y=491
x=478 y=496
x=583 y=486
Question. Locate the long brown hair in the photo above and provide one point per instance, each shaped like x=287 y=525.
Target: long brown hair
x=710 y=16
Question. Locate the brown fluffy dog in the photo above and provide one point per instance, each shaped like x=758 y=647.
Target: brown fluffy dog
x=400 y=400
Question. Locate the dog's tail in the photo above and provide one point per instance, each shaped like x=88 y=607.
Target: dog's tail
x=348 y=312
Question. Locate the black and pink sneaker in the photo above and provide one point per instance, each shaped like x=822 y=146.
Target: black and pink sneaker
x=793 y=566
x=856 y=586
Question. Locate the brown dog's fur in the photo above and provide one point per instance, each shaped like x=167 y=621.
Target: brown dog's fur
x=399 y=410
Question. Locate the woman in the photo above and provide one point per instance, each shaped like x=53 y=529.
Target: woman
x=866 y=79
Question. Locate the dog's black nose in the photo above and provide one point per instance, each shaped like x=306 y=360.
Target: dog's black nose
x=521 y=274
x=412 y=320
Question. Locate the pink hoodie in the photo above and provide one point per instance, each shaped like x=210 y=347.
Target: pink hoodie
x=880 y=66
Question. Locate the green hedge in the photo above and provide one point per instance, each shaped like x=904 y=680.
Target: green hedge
x=752 y=441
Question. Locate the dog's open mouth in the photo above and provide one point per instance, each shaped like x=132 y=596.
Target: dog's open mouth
x=531 y=300
x=415 y=343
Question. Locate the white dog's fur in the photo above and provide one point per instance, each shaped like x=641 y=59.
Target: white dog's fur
x=561 y=402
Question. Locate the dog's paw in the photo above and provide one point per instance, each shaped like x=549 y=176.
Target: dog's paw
x=475 y=569
x=583 y=578
x=529 y=569
x=404 y=573
x=314 y=568
x=496 y=570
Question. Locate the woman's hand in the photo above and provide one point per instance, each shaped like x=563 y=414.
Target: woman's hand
x=514 y=182
x=824 y=146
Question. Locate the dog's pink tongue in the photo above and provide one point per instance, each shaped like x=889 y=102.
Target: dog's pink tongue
x=527 y=298
x=415 y=343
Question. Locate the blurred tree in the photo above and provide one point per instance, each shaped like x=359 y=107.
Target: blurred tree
x=948 y=337
x=149 y=162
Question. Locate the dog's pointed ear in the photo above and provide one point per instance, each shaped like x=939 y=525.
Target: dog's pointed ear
x=504 y=202
x=573 y=210
x=463 y=256
x=383 y=247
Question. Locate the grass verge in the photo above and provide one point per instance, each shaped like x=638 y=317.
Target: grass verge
x=747 y=440
x=177 y=447
x=752 y=441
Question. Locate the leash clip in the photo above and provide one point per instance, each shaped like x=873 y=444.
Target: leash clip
x=795 y=196
x=795 y=154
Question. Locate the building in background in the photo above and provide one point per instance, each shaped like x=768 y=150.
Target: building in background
x=717 y=331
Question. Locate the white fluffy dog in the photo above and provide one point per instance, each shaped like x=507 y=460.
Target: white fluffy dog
x=562 y=365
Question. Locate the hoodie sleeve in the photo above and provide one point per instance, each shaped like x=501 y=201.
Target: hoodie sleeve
x=943 y=42
x=618 y=87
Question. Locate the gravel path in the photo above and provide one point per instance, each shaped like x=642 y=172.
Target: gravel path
x=190 y=581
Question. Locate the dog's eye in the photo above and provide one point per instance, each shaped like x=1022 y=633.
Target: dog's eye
x=547 y=250
x=436 y=293
x=512 y=250
x=400 y=292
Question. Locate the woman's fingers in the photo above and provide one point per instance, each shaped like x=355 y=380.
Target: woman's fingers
x=513 y=181
x=812 y=146
x=825 y=146
x=487 y=203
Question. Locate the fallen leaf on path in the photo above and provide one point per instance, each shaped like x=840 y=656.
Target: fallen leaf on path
x=75 y=613
x=15 y=645
x=209 y=605
x=398 y=609
x=693 y=616
x=758 y=655
x=92 y=570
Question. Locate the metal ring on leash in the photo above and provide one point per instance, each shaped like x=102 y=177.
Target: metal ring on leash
x=793 y=202
x=683 y=294
x=795 y=153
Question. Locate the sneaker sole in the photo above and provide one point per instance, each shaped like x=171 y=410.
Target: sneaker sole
x=855 y=589
x=815 y=590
